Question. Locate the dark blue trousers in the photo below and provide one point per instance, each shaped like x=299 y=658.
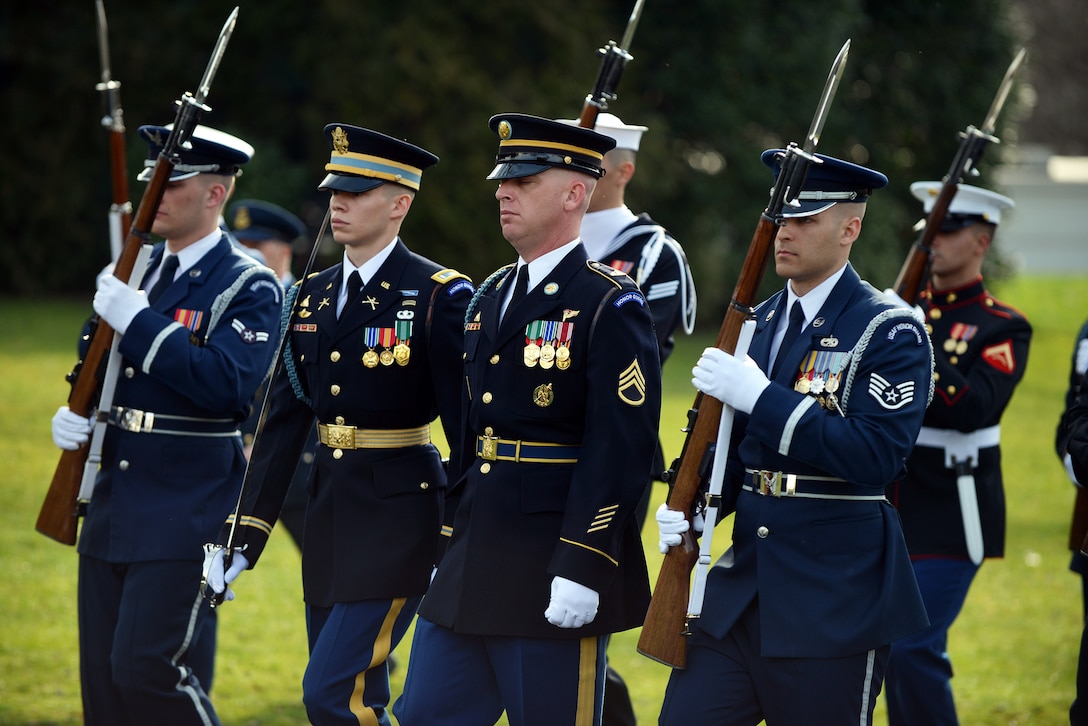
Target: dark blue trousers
x=136 y=624
x=919 y=678
x=728 y=682
x=347 y=677
x=469 y=680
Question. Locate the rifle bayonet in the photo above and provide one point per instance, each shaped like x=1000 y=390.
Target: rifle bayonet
x=990 y=123
x=796 y=161
x=110 y=88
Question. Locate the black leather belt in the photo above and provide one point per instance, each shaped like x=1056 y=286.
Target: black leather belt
x=145 y=422
x=779 y=484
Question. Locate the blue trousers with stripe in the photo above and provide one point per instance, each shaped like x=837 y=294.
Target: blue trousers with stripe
x=469 y=680
x=347 y=677
x=728 y=683
x=136 y=624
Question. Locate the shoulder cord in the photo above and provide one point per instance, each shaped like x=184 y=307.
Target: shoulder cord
x=484 y=287
x=224 y=299
x=288 y=352
x=859 y=350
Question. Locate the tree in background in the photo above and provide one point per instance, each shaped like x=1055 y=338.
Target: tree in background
x=717 y=81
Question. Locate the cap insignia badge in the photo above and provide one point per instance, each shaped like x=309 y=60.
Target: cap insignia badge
x=340 y=140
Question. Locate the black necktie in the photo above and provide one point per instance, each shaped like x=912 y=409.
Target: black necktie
x=166 y=278
x=797 y=319
x=355 y=284
x=521 y=286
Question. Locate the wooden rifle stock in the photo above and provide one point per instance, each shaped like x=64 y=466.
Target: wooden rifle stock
x=665 y=628
x=59 y=515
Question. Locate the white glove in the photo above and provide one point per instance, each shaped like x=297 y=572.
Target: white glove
x=893 y=297
x=735 y=382
x=117 y=303
x=1067 y=462
x=572 y=605
x=217 y=579
x=671 y=524
x=1082 y=357
x=70 y=430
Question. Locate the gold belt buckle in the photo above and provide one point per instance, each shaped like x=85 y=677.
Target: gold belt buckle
x=341 y=437
x=489 y=447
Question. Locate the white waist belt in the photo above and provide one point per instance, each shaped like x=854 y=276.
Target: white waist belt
x=959 y=445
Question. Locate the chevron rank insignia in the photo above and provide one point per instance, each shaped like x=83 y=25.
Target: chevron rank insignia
x=632 y=385
x=890 y=396
x=248 y=335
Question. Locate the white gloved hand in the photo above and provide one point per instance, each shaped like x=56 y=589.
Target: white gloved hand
x=70 y=430
x=670 y=525
x=572 y=605
x=117 y=303
x=735 y=382
x=217 y=579
x=893 y=297
x=1081 y=364
x=1067 y=462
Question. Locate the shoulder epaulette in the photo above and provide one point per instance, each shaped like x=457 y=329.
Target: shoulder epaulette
x=444 y=276
x=611 y=274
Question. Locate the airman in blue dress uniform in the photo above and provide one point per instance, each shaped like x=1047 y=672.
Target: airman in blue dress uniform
x=172 y=460
x=952 y=499
x=800 y=612
x=373 y=366
x=562 y=399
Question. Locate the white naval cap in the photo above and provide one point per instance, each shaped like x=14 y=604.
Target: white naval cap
x=971 y=204
x=609 y=124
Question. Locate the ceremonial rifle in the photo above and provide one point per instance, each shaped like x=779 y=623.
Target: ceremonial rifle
x=613 y=60
x=667 y=624
x=59 y=514
x=215 y=599
x=973 y=142
x=120 y=216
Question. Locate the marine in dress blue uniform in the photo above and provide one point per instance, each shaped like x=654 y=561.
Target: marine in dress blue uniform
x=371 y=378
x=651 y=256
x=952 y=493
x=562 y=400
x=1072 y=419
x=172 y=458
x=800 y=611
x=273 y=231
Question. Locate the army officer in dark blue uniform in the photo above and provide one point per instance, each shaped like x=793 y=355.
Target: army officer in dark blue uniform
x=800 y=612
x=373 y=358
x=952 y=499
x=194 y=348
x=562 y=397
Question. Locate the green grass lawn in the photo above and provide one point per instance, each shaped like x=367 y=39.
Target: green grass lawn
x=1014 y=647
